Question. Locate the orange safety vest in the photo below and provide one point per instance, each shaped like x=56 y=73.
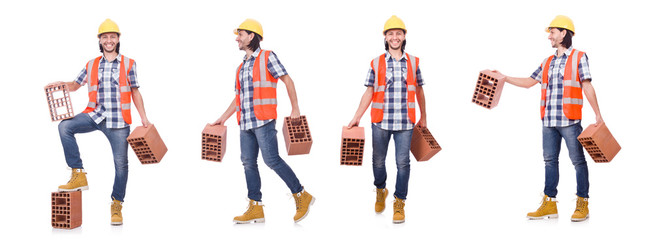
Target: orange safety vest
x=572 y=93
x=265 y=89
x=125 y=86
x=378 y=64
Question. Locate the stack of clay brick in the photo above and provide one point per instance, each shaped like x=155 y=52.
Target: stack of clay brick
x=214 y=142
x=147 y=144
x=66 y=209
x=488 y=89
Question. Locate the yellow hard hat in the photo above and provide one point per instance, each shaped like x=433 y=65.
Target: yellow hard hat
x=250 y=25
x=394 y=23
x=108 y=26
x=562 y=21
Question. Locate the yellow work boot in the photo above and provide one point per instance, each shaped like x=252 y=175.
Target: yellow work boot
x=303 y=201
x=582 y=211
x=547 y=209
x=381 y=195
x=253 y=214
x=116 y=214
x=399 y=215
x=77 y=181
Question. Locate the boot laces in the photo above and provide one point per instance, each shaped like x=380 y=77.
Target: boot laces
x=379 y=195
x=298 y=200
x=399 y=206
x=581 y=204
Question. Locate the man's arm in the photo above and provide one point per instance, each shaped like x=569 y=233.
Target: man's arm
x=421 y=100
x=292 y=94
x=590 y=94
x=362 y=107
x=138 y=103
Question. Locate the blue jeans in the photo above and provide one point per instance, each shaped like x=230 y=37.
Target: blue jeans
x=82 y=123
x=264 y=138
x=551 y=140
x=380 y=141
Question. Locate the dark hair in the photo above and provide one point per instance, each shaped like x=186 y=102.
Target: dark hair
x=256 y=41
x=117 y=48
x=403 y=45
x=566 y=42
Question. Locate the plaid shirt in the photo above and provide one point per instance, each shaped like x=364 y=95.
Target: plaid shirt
x=108 y=94
x=395 y=106
x=553 y=113
x=247 y=118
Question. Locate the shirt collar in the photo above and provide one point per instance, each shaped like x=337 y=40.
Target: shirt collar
x=117 y=58
x=388 y=56
x=254 y=54
x=566 y=53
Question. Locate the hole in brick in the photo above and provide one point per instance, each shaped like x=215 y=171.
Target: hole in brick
x=589 y=144
x=351 y=158
x=487 y=83
x=57 y=94
x=482 y=98
x=146 y=157
x=353 y=145
x=137 y=144
x=59 y=201
x=211 y=153
x=60 y=218
x=212 y=140
x=300 y=135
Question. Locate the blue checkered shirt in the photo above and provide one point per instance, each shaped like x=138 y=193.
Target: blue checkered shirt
x=247 y=118
x=108 y=94
x=395 y=106
x=553 y=113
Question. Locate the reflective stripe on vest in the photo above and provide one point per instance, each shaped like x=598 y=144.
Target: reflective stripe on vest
x=92 y=68
x=378 y=98
x=265 y=89
x=572 y=93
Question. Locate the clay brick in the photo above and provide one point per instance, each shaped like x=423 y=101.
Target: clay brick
x=488 y=89
x=59 y=102
x=599 y=143
x=423 y=145
x=297 y=136
x=214 y=142
x=66 y=209
x=147 y=144
x=352 y=146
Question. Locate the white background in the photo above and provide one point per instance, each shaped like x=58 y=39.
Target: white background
x=489 y=174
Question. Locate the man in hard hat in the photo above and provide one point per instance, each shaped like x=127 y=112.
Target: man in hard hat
x=256 y=107
x=112 y=83
x=393 y=82
x=564 y=76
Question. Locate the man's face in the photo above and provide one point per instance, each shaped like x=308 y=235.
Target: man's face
x=109 y=41
x=395 y=38
x=556 y=36
x=244 y=39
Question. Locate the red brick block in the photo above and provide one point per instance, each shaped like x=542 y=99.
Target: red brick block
x=66 y=209
x=58 y=98
x=599 y=143
x=147 y=144
x=214 y=142
x=297 y=136
x=423 y=145
x=352 y=146
x=488 y=89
